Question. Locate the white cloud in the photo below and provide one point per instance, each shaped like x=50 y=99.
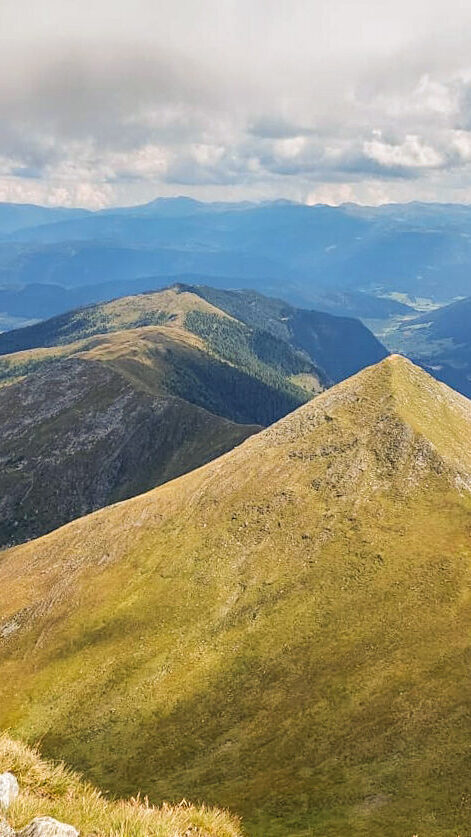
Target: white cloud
x=290 y=148
x=53 y=193
x=411 y=153
x=461 y=143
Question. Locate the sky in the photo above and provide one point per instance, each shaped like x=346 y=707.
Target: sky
x=117 y=102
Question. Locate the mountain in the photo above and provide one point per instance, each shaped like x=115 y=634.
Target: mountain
x=102 y=403
x=441 y=341
x=18 y=216
x=296 y=252
x=102 y=425
x=40 y=300
x=276 y=335
x=339 y=346
x=284 y=631
x=48 y=789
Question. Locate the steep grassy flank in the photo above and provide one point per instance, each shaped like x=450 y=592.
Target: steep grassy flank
x=284 y=632
x=180 y=364
x=48 y=789
x=120 y=415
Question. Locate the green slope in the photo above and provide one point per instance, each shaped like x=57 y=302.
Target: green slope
x=285 y=631
x=52 y=790
x=339 y=346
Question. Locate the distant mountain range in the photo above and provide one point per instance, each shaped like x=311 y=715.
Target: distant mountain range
x=333 y=258
x=284 y=632
x=108 y=401
x=42 y=300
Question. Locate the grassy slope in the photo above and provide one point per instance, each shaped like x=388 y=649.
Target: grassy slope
x=157 y=308
x=285 y=631
x=175 y=311
x=48 y=789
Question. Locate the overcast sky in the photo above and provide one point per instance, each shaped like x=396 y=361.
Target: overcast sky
x=119 y=101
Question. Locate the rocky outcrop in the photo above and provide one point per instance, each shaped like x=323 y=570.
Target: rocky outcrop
x=39 y=827
x=5 y=829
x=47 y=827
x=8 y=790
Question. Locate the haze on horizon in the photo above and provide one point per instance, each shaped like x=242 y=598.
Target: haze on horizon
x=310 y=100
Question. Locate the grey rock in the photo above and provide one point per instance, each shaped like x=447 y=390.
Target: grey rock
x=5 y=829
x=9 y=790
x=47 y=827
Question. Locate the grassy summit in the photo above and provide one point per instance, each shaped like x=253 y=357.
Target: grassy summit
x=284 y=632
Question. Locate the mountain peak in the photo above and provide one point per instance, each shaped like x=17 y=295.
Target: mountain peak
x=239 y=599
x=395 y=357
x=392 y=399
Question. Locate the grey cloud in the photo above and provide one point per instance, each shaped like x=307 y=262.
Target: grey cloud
x=216 y=94
x=275 y=127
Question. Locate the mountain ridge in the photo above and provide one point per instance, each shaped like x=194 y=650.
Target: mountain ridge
x=282 y=631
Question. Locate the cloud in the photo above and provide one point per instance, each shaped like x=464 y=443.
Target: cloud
x=127 y=100
x=412 y=153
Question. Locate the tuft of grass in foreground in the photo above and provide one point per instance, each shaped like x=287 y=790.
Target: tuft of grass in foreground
x=51 y=789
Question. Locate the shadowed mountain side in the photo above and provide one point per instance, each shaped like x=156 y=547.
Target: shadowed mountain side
x=285 y=631
x=440 y=340
x=76 y=436
x=339 y=345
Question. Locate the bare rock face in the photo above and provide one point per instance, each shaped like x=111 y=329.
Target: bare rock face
x=8 y=790
x=47 y=827
x=5 y=829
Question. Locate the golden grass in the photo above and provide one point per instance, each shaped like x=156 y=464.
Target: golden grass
x=125 y=310
x=48 y=789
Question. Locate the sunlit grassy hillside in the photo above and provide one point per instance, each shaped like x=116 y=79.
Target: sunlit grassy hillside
x=284 y=632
